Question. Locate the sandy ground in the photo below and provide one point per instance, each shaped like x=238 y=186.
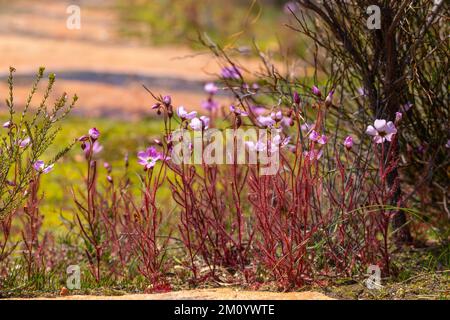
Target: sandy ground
x=207 y=294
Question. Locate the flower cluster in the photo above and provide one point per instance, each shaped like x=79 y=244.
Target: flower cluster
x=196 y=124
x=231 y=73
x=90 y=144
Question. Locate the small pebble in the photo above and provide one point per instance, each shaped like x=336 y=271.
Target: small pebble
x=64 y=291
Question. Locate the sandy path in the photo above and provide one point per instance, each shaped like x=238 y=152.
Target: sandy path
x=208 y=294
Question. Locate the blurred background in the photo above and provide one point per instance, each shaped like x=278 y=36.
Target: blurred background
x=124 y=44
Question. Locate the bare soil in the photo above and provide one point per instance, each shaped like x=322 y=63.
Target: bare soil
x=204 y=294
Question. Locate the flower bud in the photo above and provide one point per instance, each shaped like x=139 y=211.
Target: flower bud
x=94 y=133
x=158 y=142
x=7 y=125
x=348 y=142
x=167 y=100
x=107 y=166
x=329 y=99
x=83 y=138
x=296 y=98
x=291 y=122
x=316 y=91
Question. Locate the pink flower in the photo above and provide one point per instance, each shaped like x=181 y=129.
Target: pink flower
x=398 y=117
x=362 y=92
x=290 y=7
x=231 y=73
x=211 y=88
x=40 y=167
x=287 y=121
x=313 y=154
x=274 y=145
x=96 y=148
x=296 y=98
x=7 y=125
x=348 y=142
x=83 y=138
x=167 y=100
x=316 y=91
x=314 y=136
x=266 y=121
x=322 y=140
x=107 y=166
x=277 y=141
x=149 y=157
x=209 y=104
x=205 y=120
x=94 y=133
x=258 y=110
x=382 y=131
x=406 y=107
x=447 y=145
x=24 y=142
x=184 y=115
x=238 y=111
x=305 y=127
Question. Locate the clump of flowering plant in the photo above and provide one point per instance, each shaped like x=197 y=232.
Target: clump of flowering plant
x=25 y=139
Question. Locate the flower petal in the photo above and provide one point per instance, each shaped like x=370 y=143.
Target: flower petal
x=380 y=124
x=390 y=128
x=371 y=131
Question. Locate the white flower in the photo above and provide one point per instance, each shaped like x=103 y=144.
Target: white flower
x=196 y=124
